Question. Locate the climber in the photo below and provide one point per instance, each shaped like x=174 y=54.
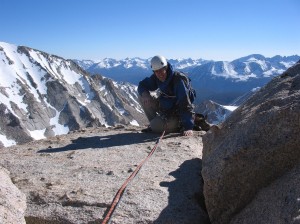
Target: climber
x=172 y=110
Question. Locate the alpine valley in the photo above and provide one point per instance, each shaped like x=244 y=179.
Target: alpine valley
x=43 y=95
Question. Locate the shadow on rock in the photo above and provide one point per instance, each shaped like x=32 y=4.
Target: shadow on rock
x=104 y=142
x=186 y=200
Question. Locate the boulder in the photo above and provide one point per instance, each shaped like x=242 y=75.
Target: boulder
x=252 y=149
x=12 y=200
x=276 y=203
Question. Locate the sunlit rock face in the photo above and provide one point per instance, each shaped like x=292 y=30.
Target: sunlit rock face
x=43 y=95
x=254 y=154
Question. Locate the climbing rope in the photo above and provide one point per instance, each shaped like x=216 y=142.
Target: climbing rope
x=120 y=192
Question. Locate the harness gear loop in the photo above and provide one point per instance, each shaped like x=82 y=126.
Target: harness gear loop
x=120 y=192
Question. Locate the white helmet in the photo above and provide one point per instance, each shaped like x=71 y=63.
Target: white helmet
x=158 y=62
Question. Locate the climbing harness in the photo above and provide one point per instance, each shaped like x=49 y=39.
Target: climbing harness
x=120 y=192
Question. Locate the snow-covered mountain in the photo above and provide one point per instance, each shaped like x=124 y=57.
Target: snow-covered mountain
x=85 y=64
x=45 y=95
x=223 y=81
x=132 y=69
x=245 y=68
x=220 y=81
x=216 y=113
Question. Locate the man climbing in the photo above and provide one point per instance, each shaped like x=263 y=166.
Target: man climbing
x=172 y=110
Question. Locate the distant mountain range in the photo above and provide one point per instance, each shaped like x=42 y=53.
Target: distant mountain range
x=220 y=81
x=132 y=69
x=43 y=95
x=224 y=82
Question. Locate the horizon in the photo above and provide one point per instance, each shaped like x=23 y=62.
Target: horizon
x=101 y=60
x=94 y=30
x=122 y=59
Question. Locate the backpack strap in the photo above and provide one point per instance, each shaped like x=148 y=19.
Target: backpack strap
x=187 y=81
x=182 y=76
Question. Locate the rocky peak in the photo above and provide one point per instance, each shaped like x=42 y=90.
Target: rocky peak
x=251 y=162
x=73 y=178
x=43 y=95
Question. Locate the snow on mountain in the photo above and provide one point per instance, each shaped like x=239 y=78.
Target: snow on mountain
x=224 y=69
x=133 y=69
x=85 y=64
x=245 y=68
x=44 y=95
x=216 y=113
x=223 y=81
x=108 y=63
x=186 y=65
x=220 y=81
x=242 y=69
x=135 y=62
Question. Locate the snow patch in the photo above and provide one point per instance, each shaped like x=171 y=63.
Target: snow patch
x=230 y=108
x=38 y=134
x=134 y=123
x=6 y=142
x=58 y=128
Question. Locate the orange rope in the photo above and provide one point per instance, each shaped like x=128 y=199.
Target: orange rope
x=120 y=192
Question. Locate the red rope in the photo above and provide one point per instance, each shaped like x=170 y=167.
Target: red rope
x=120 y=192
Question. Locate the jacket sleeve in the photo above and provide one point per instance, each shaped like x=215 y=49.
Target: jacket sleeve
x=185 y=107
x=147 y=84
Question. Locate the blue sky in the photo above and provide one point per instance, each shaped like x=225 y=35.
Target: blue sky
x=97 y=29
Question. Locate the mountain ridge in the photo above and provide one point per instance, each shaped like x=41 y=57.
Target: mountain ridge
x=43 y=95
x=220 y=81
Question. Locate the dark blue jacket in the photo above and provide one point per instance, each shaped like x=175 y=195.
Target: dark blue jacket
x=174 y=96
